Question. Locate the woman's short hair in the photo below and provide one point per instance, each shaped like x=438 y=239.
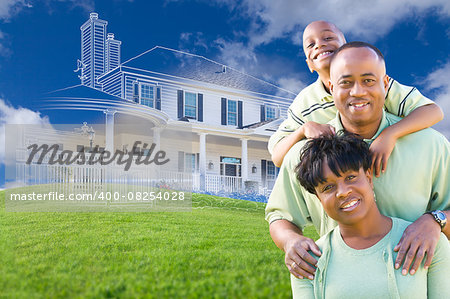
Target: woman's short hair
x=341 y=152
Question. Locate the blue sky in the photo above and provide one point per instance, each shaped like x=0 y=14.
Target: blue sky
x=40 y=42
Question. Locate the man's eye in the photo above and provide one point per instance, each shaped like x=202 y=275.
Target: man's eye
x=369 y=80
x=329 y=38
x=351 y=177
x=310 y=45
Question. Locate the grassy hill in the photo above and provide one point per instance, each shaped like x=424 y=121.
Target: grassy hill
x=222 y=249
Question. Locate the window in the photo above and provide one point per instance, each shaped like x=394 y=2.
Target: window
x=232 y=113
x=230 y=166
x=147 y=95
x=190 y=105
x=190 y=162
x=271 y=112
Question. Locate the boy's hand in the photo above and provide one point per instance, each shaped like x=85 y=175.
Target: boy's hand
x=313 y=130
x=381 y=149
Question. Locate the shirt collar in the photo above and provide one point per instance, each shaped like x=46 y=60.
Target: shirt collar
x=383 y=125
x=321 y=92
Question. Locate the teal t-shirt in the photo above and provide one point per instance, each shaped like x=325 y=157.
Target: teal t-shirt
x=344 y=272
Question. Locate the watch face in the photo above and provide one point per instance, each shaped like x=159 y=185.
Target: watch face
x=441 y=216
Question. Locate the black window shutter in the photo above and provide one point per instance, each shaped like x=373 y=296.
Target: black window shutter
x=158 y=98
x=136 y=92
x=200 y=107
x=181 y=161
x=263 y=171
x=263 y=113
x=224 y=111
x=240 y=114
x=180 y=104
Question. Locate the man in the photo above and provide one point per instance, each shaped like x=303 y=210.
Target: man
x=415 y=181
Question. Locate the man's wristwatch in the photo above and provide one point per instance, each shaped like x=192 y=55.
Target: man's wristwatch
x=440 y=217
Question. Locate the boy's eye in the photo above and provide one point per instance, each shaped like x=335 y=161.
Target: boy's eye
x=350 y=177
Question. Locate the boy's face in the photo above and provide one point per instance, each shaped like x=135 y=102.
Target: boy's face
x=320 y=40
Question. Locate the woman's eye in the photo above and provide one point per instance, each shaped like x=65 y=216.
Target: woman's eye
x=326 y=188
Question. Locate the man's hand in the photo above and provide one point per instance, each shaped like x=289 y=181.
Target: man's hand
x=418 y=238
x=298 y=260
x=381 y=149
x=313 y=130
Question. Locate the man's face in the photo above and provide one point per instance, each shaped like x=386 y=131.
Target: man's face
x=320 y=40
x=358 y=83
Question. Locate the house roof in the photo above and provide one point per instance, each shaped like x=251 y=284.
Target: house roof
x=82 y=92
x=195 y=67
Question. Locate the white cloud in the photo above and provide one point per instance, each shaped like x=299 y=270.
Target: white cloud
x=291 y=84
x=438 y=81
x=285 y=19
x=9 y=8
x=11 y=115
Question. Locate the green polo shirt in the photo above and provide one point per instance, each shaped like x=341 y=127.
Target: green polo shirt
x=314 y=103
x=415 y=181
x=344 y=272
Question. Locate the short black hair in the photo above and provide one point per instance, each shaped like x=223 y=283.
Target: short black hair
x=357 y=44
x=343 y=151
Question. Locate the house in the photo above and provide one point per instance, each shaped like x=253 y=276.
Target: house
x=230 y=114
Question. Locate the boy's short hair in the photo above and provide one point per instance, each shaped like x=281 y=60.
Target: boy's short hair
x=342 y=152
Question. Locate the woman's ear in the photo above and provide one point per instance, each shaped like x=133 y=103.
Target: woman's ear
x=369 y=175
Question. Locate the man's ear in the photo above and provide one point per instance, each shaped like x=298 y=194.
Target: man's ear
x=386 y=83
x=309 y=66
x=330 y=87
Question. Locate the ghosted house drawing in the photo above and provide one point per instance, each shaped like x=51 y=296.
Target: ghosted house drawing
x=230 y=115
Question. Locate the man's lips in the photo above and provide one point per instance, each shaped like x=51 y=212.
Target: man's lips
x=323 y=54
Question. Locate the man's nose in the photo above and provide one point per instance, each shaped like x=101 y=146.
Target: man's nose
x=357 y=90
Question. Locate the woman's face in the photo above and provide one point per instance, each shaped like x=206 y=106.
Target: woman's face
x=346 y=198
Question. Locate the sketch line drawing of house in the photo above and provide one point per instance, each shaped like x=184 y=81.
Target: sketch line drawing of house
x=230 y=115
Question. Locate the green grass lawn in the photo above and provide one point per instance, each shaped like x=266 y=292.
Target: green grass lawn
x=222 y=249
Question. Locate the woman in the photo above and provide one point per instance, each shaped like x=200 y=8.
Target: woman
x=357 y=256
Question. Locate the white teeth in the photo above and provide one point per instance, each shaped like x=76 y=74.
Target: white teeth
x=324 y=53
x=359 y=105
x=350 y=204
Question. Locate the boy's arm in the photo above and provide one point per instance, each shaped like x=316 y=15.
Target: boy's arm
x=420 y=118
x=308 y=130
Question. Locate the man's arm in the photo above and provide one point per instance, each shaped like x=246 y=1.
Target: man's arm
x=289 y=238
x=420 y=118
x=309 y=130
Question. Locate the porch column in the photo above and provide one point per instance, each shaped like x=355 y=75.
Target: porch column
x=157 y=138
x=109 y=129
x=202 y=161
x=244 y=162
